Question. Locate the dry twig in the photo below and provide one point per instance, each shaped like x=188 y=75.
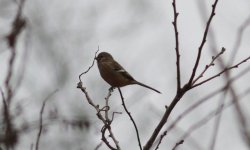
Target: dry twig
x=131 y=118
x=104 y=118
x=41 y=119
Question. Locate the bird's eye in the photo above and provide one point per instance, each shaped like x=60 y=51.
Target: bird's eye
x=99 y=57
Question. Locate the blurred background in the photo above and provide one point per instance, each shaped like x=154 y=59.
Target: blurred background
x=59 y=42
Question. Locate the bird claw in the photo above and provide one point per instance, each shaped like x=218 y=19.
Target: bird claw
x=111 y=89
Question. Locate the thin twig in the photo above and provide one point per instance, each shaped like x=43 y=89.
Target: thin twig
x=161 y=138
x=206 y=98
x=222 y=65
x=178 y=144
x=203 y=42
x=107 y=105
x=41 y=119
x=177 y=46
x=93 y=62
x=131 y=118
x=104 y=139
x=99 y=145
x=209 y=65
x=184 y=89
x=102 y=118
x=113 y=115
x=17 y=26
x=223 y=71
x=105 y=119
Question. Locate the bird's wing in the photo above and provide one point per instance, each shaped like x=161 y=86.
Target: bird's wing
x=119 y=69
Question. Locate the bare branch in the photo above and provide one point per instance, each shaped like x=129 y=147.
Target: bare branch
x=10 y=136
x=161 y=138
x=89 y=66
x=203 y=41
x=106 y=122
x=178 y=144
x=182 y=90
x=17 y=26
x=209 y=65
x=222 y=64
x=206 y=98
x=99 y=145
x=223 y=71
x=41 y=119
x=131 y=118
x=177 y=46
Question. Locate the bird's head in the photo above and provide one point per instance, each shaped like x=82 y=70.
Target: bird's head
x=103 y=56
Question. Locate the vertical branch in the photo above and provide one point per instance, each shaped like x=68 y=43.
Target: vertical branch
x=182 y=90
x=177 y=46
x=41 y=119
x=17 y=27
x=131 y=118
x=203 y=42
x=10 y=136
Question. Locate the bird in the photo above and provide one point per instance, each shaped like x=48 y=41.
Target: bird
x=114 y=74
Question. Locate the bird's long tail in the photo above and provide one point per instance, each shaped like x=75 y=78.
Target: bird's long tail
x=146 y=86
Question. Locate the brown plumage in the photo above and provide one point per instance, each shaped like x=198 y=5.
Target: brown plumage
x=113 y=73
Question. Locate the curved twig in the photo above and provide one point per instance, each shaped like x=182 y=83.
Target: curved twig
x=131 y=118
x=41 y=119
x=89 y=66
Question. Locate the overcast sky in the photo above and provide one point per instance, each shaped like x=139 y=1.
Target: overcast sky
x=59 y=43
